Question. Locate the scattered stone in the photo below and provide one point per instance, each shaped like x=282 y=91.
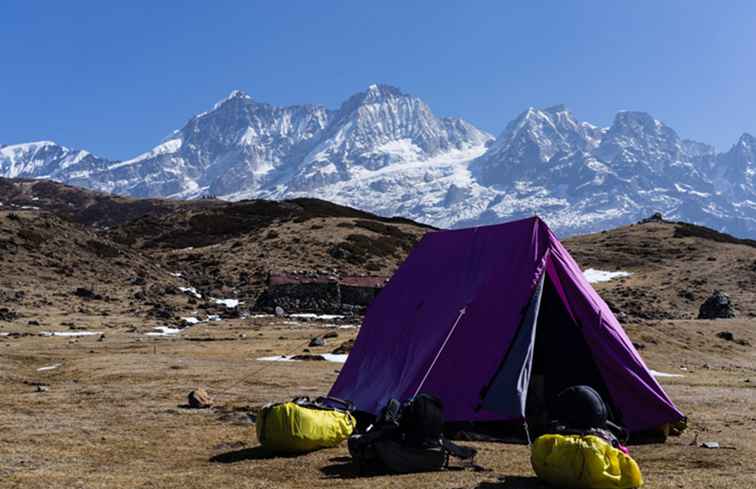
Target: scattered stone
x=163 y=311
x=726 y=335
x=137 y=281
x=42 y=388
x=330 y=335
x=687 y=294
x=33 y=323
x=7 y=314
x=199 y=399
x=309 y=357
x=279 y=311
x=717 y=306
x=655 y=217
x=317 y=341
x=344 y=348
x=85 y=293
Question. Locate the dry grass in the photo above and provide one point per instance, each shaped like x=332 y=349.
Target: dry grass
x=112 y=417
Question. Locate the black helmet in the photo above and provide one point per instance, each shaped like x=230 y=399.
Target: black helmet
x=581 y=407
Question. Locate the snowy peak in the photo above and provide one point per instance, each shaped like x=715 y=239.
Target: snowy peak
x=377 y=128
x=746 y=142
x=378 y=92
x=385 y=151
x=531 y=141
x=45 y=159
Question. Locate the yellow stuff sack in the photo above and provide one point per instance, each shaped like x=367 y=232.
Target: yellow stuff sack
x=295 y=427
x=585 y=462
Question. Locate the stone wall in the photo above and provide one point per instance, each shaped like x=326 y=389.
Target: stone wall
x=316 y=293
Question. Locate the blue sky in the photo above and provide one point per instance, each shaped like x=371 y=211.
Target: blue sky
x=115 y=78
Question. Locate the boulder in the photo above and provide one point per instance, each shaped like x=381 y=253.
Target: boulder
x=344 y=348
x=717 y=306
x=317 y=341
x=199 y=399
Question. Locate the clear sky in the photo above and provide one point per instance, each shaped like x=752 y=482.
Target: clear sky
x=117 y=77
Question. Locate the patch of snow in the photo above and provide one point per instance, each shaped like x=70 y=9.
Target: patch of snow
x=175 y=274
x=163 y=331
x=229 y=303
x=325 y=317
x=594 y=276
x=664 y=374
x=334 y=357
x=191 y=291
x=213 y=317
x=329 y=357
x=50 y=367
x=191 y=321
x=69 y=333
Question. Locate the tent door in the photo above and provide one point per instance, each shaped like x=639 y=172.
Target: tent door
x=507 y=393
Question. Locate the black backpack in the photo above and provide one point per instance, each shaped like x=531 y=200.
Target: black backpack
x=580 y=409
x=407 y=438
x=422 y=421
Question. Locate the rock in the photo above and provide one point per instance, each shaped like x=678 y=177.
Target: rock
x=686 y=294
x=163 y=311
x=308 y=357
x=199 y=399
x=717 y=306
x=279 y=311
x=344 y=348
x=331 y=334
x=137 y=281
x=33 y=322
x=42 y=388
x=726 y=335
x=655 y=217
x=317 y=341
x=85 y=293
x=7 y=314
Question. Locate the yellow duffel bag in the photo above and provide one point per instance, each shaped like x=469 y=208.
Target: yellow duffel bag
x=583 y=461
x=303 y=425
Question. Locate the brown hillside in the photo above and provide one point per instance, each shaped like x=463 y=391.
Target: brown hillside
x=675 y=267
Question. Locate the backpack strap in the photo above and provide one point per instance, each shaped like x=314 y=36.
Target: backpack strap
x=458 y=451
x=335 y=402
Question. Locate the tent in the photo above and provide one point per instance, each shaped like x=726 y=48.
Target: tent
x=476 y=316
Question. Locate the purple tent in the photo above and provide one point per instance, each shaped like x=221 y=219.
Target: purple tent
x=472 y=315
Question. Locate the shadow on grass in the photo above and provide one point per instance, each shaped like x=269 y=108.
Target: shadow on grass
x=515 y=482
x=345 y=468
x=234 y=456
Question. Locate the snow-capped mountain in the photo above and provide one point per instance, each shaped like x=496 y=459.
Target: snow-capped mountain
x=385 y=151
x=46 y=159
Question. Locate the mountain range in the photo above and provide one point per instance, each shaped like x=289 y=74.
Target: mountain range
x=385 y=151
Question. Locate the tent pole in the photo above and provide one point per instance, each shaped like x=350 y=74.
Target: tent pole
x=438 y=354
